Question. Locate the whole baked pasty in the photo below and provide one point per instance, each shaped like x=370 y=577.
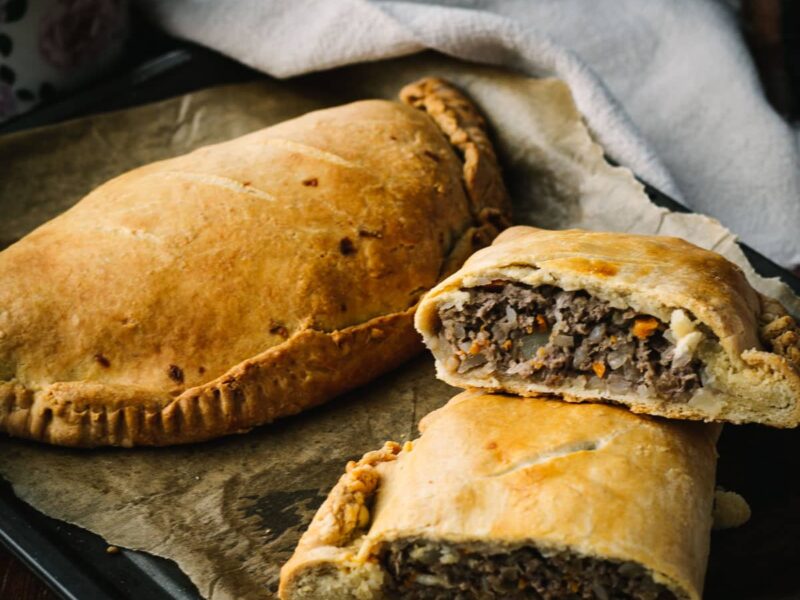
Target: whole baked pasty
x=509 y=497
x=216 y=291
x=654 y=323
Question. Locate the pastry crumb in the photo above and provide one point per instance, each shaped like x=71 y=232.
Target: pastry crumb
x=112 y=550
x=730 y=510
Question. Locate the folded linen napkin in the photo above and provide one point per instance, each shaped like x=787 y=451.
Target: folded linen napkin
x=667 y=86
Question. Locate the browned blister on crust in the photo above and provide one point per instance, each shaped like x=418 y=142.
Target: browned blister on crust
x=213 y=292
x=588 y=499
x=654 y=323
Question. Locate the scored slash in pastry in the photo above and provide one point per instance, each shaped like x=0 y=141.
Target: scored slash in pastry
x=654 y=323
x=509 y=497
x=213 y=292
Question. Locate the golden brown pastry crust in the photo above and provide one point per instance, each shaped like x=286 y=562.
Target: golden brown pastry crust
x=505 y=471
x=216 y=291
x=653 y=275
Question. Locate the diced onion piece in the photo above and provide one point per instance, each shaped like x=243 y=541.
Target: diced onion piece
x=685 y=348
x=618 y=357
x=511 y=314
x=564 y=341
x=681 y=360
x=471 y=362
x=597 y=333
x=581 y=356
x=530 y=343
x=502 y=329
x=680 y=324
x=499 y=331
x=521 y=368
x=483 y=370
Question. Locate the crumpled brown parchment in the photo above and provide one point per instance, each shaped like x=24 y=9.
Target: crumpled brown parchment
x=229 y=512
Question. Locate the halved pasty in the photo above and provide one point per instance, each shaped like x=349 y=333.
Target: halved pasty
x=512 y=498
x=245 y=281
x=654 y=323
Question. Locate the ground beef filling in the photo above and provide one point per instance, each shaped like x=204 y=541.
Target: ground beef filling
x=424 y=570
x=548 y=334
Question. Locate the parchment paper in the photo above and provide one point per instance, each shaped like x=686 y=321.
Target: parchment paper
x=230 y=511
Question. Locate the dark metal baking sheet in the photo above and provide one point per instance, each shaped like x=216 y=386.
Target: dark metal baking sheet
x=75 y=563
x=758 y=561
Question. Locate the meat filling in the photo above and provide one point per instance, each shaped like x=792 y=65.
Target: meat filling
x=437 y=571
x=548 y=335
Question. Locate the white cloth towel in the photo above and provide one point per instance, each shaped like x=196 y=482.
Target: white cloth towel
x=667 y=86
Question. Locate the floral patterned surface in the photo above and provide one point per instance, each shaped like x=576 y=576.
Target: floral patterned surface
x=74 y=31
x=51 y=45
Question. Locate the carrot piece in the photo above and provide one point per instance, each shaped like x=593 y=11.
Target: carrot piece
x=644 y=327
x=599 y=369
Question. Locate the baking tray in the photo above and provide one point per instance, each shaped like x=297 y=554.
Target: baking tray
x=760 y=560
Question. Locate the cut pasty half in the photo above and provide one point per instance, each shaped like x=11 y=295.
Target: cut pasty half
x=509 y=497
x=245 y=281
x=655 y=323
